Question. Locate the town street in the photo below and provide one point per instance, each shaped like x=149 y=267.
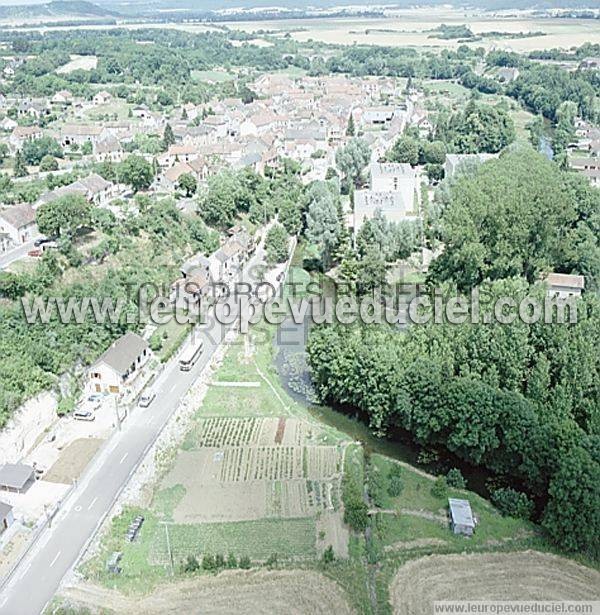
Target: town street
x=36 y=579
x=15 y=254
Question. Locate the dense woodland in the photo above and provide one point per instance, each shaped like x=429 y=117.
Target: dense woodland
x=523 y=401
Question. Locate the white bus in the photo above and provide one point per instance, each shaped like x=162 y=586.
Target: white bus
x=190 y=354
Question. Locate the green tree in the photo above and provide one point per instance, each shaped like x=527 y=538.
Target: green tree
x=323 y=227
x=352 y=158
x=187 y=182
x=168 y=137
x=440 y=487
x=19 y=165
x=35 y=149
x=536 y=130
x=191 y=564
x=276 y=244
x=3 y=152
x=395 y=482
x=406 y=150
x=245 y=562
x=372 y=271
x=350 y=129
x=455 y=479
x=290 y=215
x=512 y=503
x=64 y=215
x=564 y=133
x=48 y=163
x=137 y=172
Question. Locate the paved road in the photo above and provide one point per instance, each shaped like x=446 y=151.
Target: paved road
x=37 y=578
x=15 y=254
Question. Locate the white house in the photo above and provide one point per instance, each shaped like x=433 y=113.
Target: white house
x=21 y=134
x=564 y=285
x=118 y=368
x=18 y=222
x=102 y=98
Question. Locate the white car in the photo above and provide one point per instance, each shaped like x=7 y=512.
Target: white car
x=146 y=399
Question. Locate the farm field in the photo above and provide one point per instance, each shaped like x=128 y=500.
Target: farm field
x=230 y=593
x=492 y=576
x=409 y=28
x=254 y=476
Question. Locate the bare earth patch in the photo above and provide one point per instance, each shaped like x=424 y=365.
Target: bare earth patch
x=284 y=591
x=73 y=460
x=492 y=576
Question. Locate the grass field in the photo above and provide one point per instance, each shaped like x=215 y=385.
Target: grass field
x=212 y=76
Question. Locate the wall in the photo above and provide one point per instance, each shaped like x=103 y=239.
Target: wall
x=27 y=424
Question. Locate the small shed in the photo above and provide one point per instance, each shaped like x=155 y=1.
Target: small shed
x=15 y=476
x=461 y=516
x=6 y=516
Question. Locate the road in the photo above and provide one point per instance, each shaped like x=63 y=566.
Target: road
x=36 y=579
x=15 y=254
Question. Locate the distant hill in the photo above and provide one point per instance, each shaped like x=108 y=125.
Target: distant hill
x=58 y=8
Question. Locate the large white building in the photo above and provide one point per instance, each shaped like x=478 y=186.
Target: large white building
x=393 y=191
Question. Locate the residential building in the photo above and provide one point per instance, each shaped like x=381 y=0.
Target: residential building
x=564 y=285
x=118 y=368
x=18 y=222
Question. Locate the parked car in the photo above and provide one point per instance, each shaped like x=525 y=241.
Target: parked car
x=94 y=397
x=40 y=241
x=51 y=437
x=37 y=252
x=146 y=399
x=84 y=415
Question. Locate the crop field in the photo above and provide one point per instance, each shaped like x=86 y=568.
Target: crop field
x=491 y=576
x=229 y=432
x=259 y=539
x=411 y=28
x=230 y=593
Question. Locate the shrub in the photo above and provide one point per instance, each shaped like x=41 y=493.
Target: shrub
x=156 y=342
x=328 y=555
x=455 y=479
x=191 y=564
x=232 y=561
x=440 y=487
x=512 y=503
x=245 y=562
x=272 y=561
x=219 y=561
x=208 y=562
x=395 y=484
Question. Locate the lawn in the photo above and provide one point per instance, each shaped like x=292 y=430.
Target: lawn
x=212 y=76
x=172 y=335
x=416 y=496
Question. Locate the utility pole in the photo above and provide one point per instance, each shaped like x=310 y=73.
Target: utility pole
x=118 y=417
x=166 y=524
